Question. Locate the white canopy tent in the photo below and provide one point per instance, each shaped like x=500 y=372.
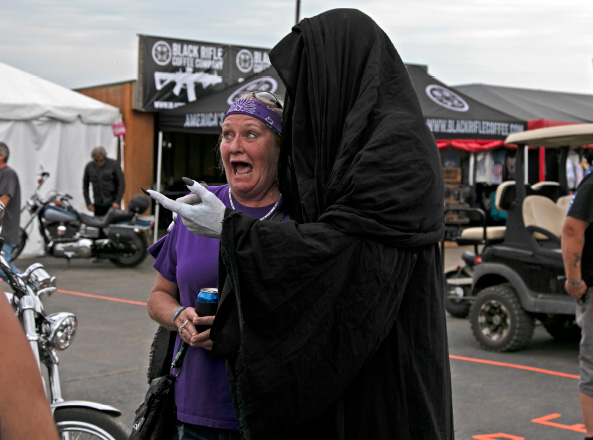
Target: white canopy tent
x=46 y=125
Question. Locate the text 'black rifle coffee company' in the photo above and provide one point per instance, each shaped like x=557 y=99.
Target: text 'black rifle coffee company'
x=173 y=72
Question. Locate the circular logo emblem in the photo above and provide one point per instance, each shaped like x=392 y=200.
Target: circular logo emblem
x=161 y=53
x=263 y=84
x=446 y=98
x=244 y=61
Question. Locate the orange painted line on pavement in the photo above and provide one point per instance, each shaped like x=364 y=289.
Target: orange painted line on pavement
x=107 y=298
x=545 y=420
x=519 y=367
x=498 y=436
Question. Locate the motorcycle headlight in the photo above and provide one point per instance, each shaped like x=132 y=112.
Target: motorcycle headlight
x=62 y=328
x=39 y=279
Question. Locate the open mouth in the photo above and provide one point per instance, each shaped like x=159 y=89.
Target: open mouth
x=242 y=168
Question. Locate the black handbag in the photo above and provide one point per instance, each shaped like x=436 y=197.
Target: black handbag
x=156 y=417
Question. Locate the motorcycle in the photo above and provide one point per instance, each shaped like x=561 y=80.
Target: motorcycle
x=120 y=235
x=49 y=334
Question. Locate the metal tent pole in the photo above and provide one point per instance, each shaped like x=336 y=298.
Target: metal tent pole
x=123 y=169
x=157 y=208
x=526 y=165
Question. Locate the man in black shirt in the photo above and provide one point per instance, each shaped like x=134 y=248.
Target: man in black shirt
x=108 y=182
x=577 y=253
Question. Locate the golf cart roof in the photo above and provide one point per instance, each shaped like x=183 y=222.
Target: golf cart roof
x=573 y=135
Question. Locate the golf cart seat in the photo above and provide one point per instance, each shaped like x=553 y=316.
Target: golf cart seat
x=544 y=219
x=547 y=189
x=564 y=202
x=493 y=233
x=505 y=195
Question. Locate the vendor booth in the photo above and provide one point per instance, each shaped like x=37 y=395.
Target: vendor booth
x=470 y=136
x=541 y=108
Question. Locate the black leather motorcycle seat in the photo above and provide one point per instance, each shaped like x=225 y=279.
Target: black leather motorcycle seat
x=112 y=216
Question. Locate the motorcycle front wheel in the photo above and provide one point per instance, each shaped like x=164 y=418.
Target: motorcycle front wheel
x=134 y=255
x=89 y=424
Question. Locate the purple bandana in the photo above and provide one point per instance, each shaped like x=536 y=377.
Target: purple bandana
x=257 y=110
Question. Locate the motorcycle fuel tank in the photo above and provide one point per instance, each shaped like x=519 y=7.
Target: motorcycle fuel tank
x=54 y=213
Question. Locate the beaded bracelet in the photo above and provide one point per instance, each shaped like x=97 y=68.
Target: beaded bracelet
x=177 y=312
x=574 y=283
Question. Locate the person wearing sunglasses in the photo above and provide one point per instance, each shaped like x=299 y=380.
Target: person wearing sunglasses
x=341 y=322
x=187 y=263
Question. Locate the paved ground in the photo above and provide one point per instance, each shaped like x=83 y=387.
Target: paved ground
x=526 y=395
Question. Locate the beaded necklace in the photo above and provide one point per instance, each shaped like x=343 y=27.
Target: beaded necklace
x=265 y=216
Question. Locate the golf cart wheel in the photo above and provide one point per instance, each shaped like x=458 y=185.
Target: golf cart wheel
x=498 y=321
x=562 y=327
x=454 y=304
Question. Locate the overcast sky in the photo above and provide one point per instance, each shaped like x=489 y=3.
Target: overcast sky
x=537 y=44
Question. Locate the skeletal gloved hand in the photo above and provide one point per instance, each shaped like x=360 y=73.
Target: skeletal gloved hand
x=190 y=199
x=203 y=212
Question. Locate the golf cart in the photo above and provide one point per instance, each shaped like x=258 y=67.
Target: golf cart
x=520 y=277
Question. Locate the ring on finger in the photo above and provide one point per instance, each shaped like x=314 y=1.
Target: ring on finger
x=183 y=326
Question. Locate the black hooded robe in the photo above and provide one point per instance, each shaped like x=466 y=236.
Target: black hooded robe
x=340 y=322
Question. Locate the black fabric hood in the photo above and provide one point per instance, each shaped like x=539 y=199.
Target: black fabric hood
x=360 y=153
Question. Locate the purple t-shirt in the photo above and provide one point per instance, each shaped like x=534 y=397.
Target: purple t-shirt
x=202 y=392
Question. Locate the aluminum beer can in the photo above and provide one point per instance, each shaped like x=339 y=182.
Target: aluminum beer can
x=208 y=295
x=206 y=304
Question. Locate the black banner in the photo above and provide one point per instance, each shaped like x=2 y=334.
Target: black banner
x=452 y=115
x=173 y=73
x=206 y=114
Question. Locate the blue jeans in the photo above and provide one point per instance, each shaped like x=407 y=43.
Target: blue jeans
x=6 y=250
x=186 y=431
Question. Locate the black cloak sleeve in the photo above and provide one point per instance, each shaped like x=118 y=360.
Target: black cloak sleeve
x=317 y=297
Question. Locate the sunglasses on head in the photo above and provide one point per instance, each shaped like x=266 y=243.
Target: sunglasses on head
x=268 y=97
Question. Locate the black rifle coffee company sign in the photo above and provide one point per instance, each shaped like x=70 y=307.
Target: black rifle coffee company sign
x=173 y=73
x=482 y=128
x=452 y=115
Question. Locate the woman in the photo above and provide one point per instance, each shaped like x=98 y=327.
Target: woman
x=341 y=312
x=186 y=263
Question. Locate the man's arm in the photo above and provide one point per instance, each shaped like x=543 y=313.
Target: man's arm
x=86 y=180
x=573 y=240
x=4 y=199
x=121 y=185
